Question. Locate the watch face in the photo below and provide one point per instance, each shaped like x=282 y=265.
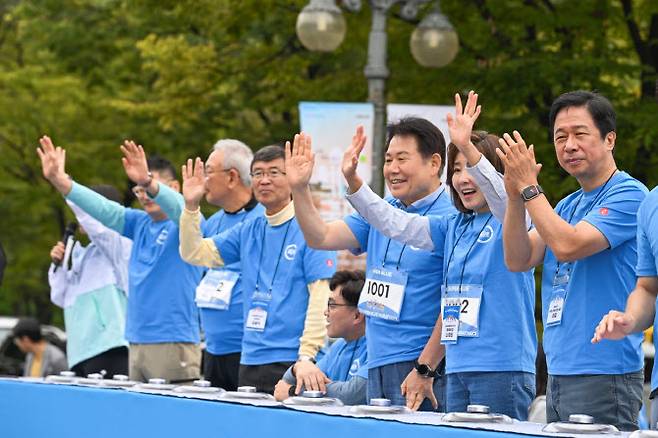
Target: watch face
x=530 y=192
x=422 y=369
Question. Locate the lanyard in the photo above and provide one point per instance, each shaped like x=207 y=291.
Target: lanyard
x=347 y=374
x=278 y=260
x=477 y=236
x=573 y=212
x=397 y=266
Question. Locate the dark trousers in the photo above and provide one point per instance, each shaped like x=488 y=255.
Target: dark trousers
x=113 y=361
x=222 y=370
x=263 y=377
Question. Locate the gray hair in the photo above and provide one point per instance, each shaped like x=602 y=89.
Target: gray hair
x=238 y=156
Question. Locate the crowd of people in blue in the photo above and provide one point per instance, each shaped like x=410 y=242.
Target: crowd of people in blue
x=443 y=315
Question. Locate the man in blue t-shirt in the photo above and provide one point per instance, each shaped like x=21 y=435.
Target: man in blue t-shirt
x=588 y=249
x=402 y=361
x=640 y=313
x=342 y=373
x=162 y=321
x=284 y=282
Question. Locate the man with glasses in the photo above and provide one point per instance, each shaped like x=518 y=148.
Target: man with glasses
x=162 y=322
x=284 y=282
x=342 y=373
x=219 y=294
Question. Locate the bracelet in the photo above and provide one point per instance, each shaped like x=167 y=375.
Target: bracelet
x=150 y=175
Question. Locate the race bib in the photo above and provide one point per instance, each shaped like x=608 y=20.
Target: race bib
x=383 y=293
x=470 y=298
x=214 y=291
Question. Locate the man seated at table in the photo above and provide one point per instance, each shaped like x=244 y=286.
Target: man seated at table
x=42 y=358
x=343 y=372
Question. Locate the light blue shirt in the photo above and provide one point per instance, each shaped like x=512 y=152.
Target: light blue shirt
x=161 y=285
x=223 y=328
x=398 y=341
x=647 y=254
x=597 y=283
x=277 y=259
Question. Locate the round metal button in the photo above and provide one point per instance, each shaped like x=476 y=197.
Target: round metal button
x=477 y=409
x=581 y=419
x=247 y=389
x=313 y=394
x=120 y=377
x=201 y=383
x=380 y=402
x=157 y=381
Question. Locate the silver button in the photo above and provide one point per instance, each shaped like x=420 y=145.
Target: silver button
x=380 y=402
x=581 y=419
x=477 y=409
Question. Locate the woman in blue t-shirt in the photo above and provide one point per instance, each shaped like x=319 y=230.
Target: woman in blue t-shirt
x=487 y=328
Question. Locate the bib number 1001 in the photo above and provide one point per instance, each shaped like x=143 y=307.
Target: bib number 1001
x=378 y=289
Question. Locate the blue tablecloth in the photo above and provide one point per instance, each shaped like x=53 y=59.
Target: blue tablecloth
x=53 y=411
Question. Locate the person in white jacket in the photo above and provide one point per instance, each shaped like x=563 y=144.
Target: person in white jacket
x=92 y=291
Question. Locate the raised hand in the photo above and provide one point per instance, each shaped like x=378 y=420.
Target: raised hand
x=53 y=165
x=134 y=163
x=300 y=160
x=461 y=124
x=615 y=325
x=194 y=183
x=351 y=159
x=521 y=168
x=310 y=377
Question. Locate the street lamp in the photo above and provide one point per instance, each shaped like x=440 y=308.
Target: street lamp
x=434 y=43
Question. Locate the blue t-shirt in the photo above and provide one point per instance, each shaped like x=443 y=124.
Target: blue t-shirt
x=647 y=254
x=161 y=285
x=345 y=360
x=223 y=328
x=390 y=341
x=597 y=283
x=161 y=305
x=261 y=251
x=472 y=250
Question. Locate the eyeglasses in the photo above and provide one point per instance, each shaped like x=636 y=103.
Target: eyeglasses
x=210 y=171
x=138 y=191
x=332 y=305
x=272 y=173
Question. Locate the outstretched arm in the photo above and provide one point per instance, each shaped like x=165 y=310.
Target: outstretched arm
x=319 y=234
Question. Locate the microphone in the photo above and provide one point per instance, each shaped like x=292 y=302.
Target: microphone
x=69 y=239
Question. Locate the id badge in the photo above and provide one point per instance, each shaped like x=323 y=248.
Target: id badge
x=214 y=291
x=450 y=308
x=470 y=297
x=383 y=293
x=558 y=297
x=257 y=315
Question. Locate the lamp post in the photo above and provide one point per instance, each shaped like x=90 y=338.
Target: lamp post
x=434 y=43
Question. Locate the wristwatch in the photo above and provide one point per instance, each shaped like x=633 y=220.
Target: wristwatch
x=531 y=192
x=306 y=358
x=424 y=370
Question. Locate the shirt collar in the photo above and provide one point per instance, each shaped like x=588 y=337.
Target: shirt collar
x=281 y=217
x=422 y=202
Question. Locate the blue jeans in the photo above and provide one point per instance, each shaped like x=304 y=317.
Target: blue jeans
x=505 y=392
x=610 y=398
x=385 y=381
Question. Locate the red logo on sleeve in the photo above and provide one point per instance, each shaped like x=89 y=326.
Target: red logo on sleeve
x=603 y=211
x=330 y=263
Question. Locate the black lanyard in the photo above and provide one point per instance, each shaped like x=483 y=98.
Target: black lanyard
x=477 y=236
x=278 y=260
x=397 y=266
x=573 y=212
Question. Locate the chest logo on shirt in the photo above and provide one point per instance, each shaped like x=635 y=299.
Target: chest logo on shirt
x=603 y=211
x=486 y=235
x=290 y=252
x=162 y=238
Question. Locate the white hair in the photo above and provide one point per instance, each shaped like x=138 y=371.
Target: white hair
x=238 y=156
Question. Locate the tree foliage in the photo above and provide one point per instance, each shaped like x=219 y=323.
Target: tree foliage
x=176 y=75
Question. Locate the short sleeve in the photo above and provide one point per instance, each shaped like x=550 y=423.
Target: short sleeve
x=228 y=243
x=318 y=264
x=361 y=229
x=439 y=230
x=646 y=260
x=615 y=215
